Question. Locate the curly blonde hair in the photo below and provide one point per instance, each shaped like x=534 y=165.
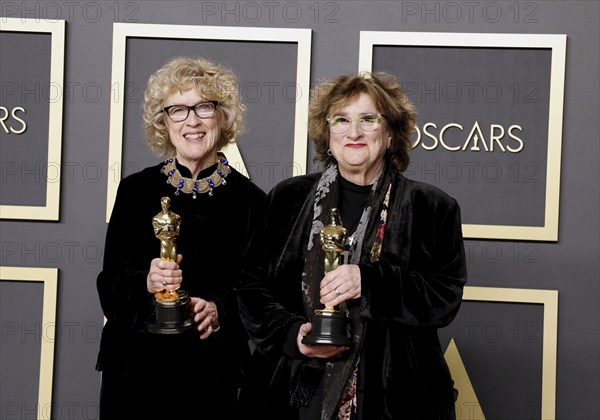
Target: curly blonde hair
x=383 y=88
x=209 y=80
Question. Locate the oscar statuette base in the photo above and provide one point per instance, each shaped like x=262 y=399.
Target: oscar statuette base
x=329 y=328
x=171 y=317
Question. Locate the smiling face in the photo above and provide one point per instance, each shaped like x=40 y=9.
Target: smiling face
x=195 y=138
x=359 y=153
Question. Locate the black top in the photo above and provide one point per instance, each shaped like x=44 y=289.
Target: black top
x=352 y=201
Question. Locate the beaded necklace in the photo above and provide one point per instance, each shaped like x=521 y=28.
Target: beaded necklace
x=196 y=186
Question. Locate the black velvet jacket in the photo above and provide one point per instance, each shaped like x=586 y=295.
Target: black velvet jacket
x=414 y=289
x=214 y=241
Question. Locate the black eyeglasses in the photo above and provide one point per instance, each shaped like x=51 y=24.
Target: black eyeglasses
x=180 y=113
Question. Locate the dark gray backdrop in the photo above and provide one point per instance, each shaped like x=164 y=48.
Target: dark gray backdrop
x=74 y=244
x=501 y=86
x=25 y=80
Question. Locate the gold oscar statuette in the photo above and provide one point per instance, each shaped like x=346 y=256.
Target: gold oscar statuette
x=170 y=305
x=330 y=324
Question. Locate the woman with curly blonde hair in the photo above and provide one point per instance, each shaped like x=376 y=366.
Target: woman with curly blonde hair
x=207 y=80
x=192 y=109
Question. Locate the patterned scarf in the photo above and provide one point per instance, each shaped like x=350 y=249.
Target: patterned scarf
x=340 y=374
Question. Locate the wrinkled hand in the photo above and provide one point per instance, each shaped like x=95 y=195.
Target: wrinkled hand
x=205 y=315
x=340 y=285
x=322 y=351
x=164 y=275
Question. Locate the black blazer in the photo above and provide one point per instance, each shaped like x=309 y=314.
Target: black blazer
x=414 y=289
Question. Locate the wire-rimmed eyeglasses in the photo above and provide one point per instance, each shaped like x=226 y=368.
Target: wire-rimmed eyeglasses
x=179 y=113
x=369 y=122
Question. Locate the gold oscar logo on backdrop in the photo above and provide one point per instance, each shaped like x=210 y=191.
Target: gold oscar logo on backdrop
x=497 y=138
x=11 y=122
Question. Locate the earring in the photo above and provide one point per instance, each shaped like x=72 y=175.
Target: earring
x=329 y=152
